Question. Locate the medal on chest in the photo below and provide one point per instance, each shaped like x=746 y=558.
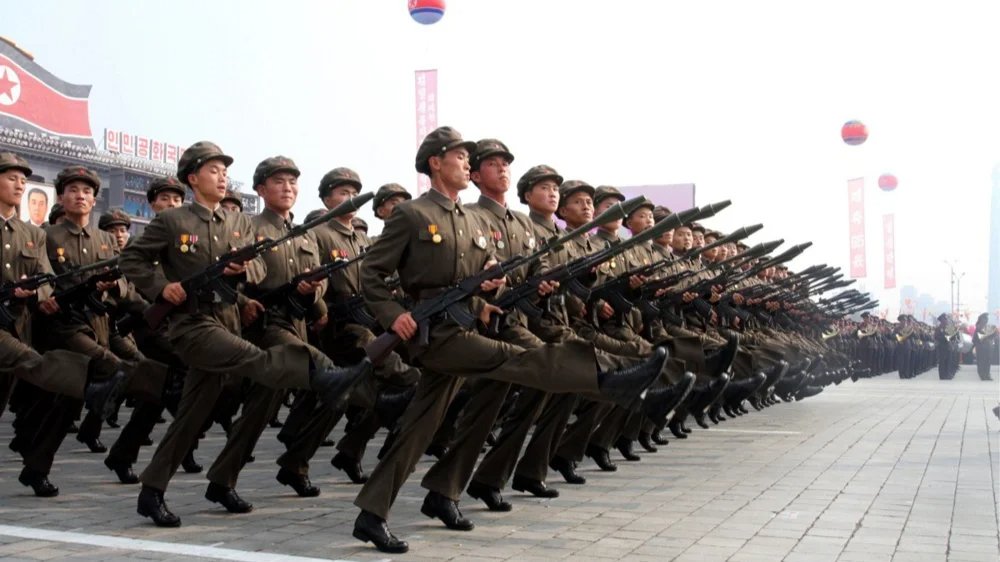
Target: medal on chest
x=435 y=235
x=61 y=255
x=194 y=240
x=185 y=238
x=498 y=239
x=480 y=240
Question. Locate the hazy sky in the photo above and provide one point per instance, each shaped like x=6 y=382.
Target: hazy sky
x=744 y=99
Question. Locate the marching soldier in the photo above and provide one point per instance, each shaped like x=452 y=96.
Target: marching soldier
x=204 y=329
x=433 y=243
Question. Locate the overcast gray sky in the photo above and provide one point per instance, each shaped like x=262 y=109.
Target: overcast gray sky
x=744 y=99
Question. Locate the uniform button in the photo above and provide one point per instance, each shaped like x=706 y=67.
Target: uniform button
x=460 y=233
x=290 y=260
x=85 y=250
x=7 y=265
x=461 y=255
x=288 y=241
x=216 y=238
x=6 y=246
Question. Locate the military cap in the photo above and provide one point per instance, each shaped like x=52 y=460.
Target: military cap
x=234 y=197
x=660 y=212
x=697 y=227
x=486 y=148
x=196 y=155
x=56 y=212
x=534 y=175
x=313 y=215
x=77 y=173
x=112 y=218
x=388 y=191
x=338 y=176
x=359 y=224
x=273 y=165
x=647 y=204
x=742 y=246
x=942 y=318
x=604 y=191
x=159 y=185
x=10 y=160
x=437 y=143
x=572 y=186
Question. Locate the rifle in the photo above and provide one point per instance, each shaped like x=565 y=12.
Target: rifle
x=84 y=295
x=211 y=278
x=39 y=279
x=453 y=300
x=523 y=295
x=288 y=295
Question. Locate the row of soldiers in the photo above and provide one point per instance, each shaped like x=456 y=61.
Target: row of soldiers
x=460 y=325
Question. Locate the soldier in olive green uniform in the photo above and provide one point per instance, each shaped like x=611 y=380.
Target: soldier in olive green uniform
x=433 y=243
x=350 y=326
x=204 y=329
x=61 y=372
x=276 y=181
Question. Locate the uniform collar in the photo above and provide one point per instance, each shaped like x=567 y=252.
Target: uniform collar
x=77 y=230
x=341 y=227
x=444 y=201
x=206 y=214
x=497 y=209
x=605 y=235
x=13 y=224
x=545 y=222
x=275 y=220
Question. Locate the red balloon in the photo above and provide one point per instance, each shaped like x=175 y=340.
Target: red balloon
x=887 y=182
x=854 y=132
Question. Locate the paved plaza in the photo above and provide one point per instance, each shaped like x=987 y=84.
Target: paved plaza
x=881 y=469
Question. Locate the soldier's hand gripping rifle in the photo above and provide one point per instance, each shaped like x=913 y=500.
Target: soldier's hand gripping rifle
x=7 y=291
x=211 y=278
x=453 y=300
x=288 y=295
x=84 y=295
x=568 y=275
x=620 y=295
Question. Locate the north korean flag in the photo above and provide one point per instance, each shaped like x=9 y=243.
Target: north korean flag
x=32 y=99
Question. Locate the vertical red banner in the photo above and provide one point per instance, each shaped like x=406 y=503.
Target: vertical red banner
x=425 y=82
x=856 y=227
x=889 y=249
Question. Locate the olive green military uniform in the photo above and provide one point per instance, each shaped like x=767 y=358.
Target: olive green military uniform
x=278 y=327
x=433 y=243
x=205 y=332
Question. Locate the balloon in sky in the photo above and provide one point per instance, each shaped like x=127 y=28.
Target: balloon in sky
x=887 y=182
x=854 y=132
x=426 y=11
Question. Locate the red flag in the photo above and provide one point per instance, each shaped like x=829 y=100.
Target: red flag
x=32 y=98
x=889 y=250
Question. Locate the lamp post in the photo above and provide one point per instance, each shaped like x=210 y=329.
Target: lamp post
x=952 y=294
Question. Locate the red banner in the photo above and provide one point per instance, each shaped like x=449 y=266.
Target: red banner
x=27 y=98
x=889 y=249
x=426 y=98
x=856 y=226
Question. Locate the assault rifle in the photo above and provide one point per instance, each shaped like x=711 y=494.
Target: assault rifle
x=453 y=300
x=211 y=278
x=38 y=280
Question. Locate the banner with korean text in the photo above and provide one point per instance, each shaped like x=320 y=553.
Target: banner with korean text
x=889 y=249
x=856 y=227
x=426 y=98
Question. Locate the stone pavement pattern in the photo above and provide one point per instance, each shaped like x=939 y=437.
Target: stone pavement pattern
x=881 y=469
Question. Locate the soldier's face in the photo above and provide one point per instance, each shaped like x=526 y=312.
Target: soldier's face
x=120 y=232
x=577 y=209
x=77 y=198
x=682 y=239
x=713 y=254
x=640 y=221
x=209 y=182
x=493 y=175
x=452 y=169
x=385 y=209
x=279 y=192
x=166 y=200
x=543 y=197
x=722 y=252
x=12 y=183
x=338 y=195
x=666 y=238
x=604 y=204
x=231 y=206
x=698 y=239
